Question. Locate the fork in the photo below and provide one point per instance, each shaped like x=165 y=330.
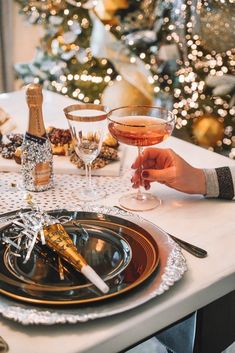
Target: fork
x=191 y=248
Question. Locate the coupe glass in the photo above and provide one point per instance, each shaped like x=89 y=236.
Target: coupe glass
x=87 y=124
x=140 y=126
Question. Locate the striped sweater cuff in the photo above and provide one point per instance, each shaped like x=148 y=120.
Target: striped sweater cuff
x=220 y=182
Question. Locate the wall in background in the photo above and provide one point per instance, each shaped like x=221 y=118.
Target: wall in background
x=25 y=38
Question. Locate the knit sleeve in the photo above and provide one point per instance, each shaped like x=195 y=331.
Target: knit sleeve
x=220 y=182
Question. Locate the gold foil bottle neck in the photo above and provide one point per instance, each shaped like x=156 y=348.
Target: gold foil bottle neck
x=34 y=100
x=34 y=94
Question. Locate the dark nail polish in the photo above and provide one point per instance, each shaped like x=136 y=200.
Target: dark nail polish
x=145 y=174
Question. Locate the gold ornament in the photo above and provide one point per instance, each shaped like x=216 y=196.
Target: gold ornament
x=123 y=93
x=113 y=5
x=47 y=5
x=106 y=9
x=208 y=130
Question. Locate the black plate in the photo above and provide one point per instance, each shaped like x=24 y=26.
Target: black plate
x=122 y=253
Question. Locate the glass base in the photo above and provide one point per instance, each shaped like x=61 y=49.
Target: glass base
x=90 y=194
x=133 y=202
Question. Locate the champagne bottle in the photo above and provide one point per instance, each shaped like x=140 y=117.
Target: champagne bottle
x=37 y=158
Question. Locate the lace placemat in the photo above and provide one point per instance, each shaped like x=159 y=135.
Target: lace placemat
x=64 y=194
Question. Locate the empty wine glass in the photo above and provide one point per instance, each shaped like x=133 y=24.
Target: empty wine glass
x=87 y=124
x=140 y=126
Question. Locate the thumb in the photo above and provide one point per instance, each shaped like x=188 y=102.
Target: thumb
x=160 y=175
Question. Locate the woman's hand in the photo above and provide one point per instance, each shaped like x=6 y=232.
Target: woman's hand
x=166 y=167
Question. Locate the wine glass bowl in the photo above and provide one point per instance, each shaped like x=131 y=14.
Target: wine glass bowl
x=87 y=126
x=140 y=126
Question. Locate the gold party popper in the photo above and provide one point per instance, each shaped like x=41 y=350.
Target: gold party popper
x=58 y=239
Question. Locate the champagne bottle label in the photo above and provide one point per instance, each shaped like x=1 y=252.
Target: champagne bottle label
x=41 y=174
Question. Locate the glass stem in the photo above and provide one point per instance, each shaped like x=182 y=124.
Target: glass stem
x=89 y=185
x=88 y=176
x=139 y=195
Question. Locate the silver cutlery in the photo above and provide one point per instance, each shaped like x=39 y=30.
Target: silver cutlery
x=191 y=248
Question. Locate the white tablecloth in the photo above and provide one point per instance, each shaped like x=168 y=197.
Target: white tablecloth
x=207 y=223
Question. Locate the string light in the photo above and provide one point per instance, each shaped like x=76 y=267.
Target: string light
x=67 y=59
x=72 y=70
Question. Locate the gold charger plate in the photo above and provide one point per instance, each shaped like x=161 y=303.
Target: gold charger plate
x=122 y=252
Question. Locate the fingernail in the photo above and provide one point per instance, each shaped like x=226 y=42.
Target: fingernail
x=145 y=174
x=133 y=166
x=133 y=181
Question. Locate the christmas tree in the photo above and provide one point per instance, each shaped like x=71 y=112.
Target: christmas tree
x=165 y=52
x=190 y=49
x=64 y=62
x=204 y=90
